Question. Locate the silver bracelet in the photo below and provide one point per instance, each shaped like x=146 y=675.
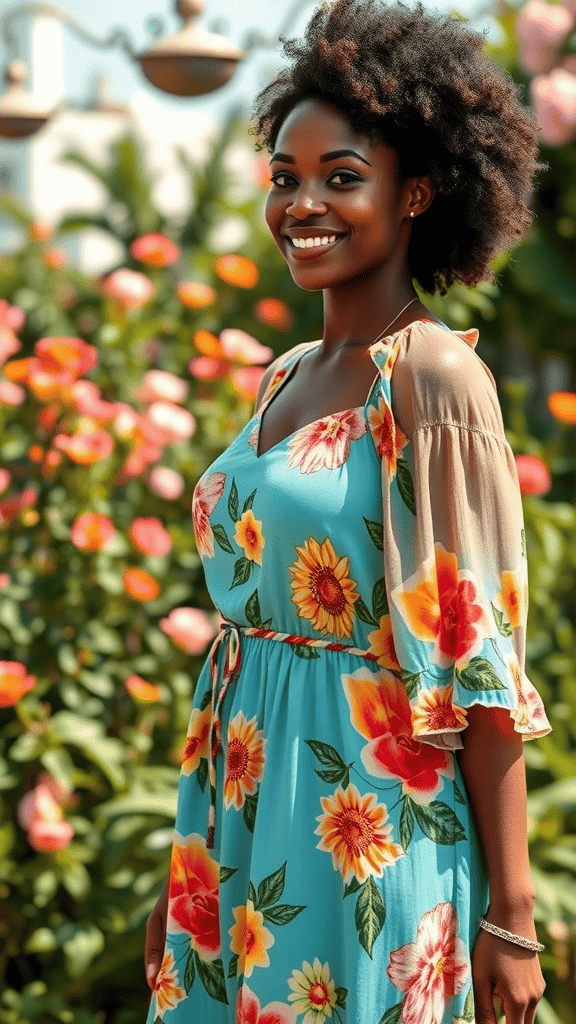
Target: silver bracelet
x=519 y=940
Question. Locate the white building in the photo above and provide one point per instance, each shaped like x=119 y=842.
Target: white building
x=31 y=169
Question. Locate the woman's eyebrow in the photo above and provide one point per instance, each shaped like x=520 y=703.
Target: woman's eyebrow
x=287 y=159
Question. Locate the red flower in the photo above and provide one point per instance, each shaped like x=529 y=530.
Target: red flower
x=193 y=895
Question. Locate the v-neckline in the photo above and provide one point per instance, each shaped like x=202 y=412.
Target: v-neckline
x=341 y=412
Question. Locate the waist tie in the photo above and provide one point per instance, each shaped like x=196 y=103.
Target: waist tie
x=230 y=634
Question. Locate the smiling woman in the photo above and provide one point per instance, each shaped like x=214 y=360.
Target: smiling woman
x=353 y=798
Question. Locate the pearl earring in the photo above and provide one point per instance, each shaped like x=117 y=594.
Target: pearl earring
x=411 y=213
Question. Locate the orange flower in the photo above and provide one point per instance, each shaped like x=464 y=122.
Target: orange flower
x=275 y=313
x=86 y=447
x=208 y=344
x=322 y=590
x=140 y=585
x=193 y=895
x=513 y=597
x=54 y=258
x=244 y=760
x=533 y=474
x=246 y=381
x=382 y=644
x=39 y=232
x=249 y=536
x=250 y=939
x=70 y=357
x=434 y=713
x=167 y=993
x=444 y=605
x=237 y=270
x=92 y=531
x=562 y=405
x=387 y=434
x=195 y=294
x=206 y=368
x=14 y=683
x=155 y=249
x=150 y=536
x=353 y=831
x=196 y=745
x=141 y=690
x=35 y=453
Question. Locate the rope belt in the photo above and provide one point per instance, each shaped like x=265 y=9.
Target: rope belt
x=230 y=634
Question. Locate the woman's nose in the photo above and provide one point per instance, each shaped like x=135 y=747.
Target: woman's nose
x=305 y=200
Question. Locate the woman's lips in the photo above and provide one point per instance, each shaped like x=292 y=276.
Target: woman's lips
x=301 y=253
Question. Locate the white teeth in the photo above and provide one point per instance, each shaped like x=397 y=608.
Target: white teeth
x=308 y=243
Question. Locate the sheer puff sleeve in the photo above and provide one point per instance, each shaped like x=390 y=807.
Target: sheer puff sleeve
x=454 y=546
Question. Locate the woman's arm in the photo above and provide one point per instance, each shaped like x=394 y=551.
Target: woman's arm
x=492 y=764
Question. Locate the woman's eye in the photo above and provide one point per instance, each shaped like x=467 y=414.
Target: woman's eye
x=339 y=174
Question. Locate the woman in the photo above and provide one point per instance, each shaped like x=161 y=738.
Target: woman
x=353 y=797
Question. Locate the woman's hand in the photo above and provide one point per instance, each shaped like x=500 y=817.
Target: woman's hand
x=511 y=973
x=156 y=937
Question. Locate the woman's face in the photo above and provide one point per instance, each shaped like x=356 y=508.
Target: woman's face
x=355 y=196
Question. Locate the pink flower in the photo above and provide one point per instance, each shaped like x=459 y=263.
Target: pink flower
x=92 y=531
x=207 y=494
x=246 y=381
x=175 y=424
x=125 y=419
x=554 y=99
x=11 y=394
x=11 y=317
x=10 y=507
x=431 y=970
x=86 y=447
x=540 y=29
x=533 y=475
x=14 y=683
x=150 y=536
x=165 y=482
x=242 y=347
x=325 y=444
x=248 y=1010
x=65 y=358
x=155 y=249
x=5 y=479
x=159 y=385
x=190 y=629
x=206 y=368
x=41 y=814
x=86 y=396
x=9 y=343
x=128 y=287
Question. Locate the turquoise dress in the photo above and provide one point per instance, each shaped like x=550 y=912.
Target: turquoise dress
x=325 y=863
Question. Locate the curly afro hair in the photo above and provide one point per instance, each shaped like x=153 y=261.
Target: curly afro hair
x=421 y=83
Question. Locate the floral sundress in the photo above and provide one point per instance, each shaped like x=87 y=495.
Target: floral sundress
x=325 y=863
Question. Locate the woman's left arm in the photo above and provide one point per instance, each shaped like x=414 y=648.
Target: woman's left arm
x=492 y=764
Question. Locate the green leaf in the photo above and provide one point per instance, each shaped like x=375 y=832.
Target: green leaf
x=341 y=994
x=363 y=613
x=59 y=763
x=271 y=888
x=233 y=502
x=458 y=794
x=202 y=772
x=226 y=873
x=242 y=569
x=379 y=600
x=250 y=811
x=189 y=971
x=438 y=821
x=468 y=1012
x=252 y=610
x=206 y=700
x=251 y=893
x=222 y=538
x=405 y=485
x=406 y=826
x=352 y=886
x=327 y=755
x=76 y=880
x=282 y=913
x=332 y=775
x=411 y=682
x=370 y=914
x=249 y=500
x=376 y=532
x=233 y=966
x=212 y=977
x=479 y=674
x=304 y=651
x=504 y=627
x=393 y=1015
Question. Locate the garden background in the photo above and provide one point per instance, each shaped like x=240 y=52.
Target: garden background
x=116 y=393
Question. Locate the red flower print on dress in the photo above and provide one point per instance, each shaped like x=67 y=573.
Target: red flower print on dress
x=444 y=605
x=252 y=438
x=244 y=760
x=380 y=711
x=193 y=895
x=248 y=1010
x=388 y=436
x=325 y=444
x=273 y=385
x=196 y=745
x=207 y=494
x=431 y=970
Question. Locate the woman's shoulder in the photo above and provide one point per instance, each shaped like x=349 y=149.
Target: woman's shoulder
x=284 y=360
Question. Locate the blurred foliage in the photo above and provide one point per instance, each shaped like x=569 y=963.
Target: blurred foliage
x=72 y=931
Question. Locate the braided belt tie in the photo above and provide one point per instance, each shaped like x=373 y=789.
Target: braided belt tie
x=230 y=634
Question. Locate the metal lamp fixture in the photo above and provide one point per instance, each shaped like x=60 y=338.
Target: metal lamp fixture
x=191 y=62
